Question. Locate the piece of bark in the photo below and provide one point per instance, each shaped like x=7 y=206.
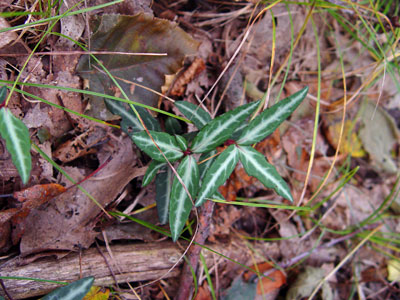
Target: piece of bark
x=137 y=262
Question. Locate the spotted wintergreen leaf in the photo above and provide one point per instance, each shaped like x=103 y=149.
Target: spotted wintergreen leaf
x=205 y=162
x=73 y=291
x=266 y=123
x=172 y=126
x=129 y=121
x=255 y=164
x=167 y=144
x=221 y=128
x=192 y=112
x=163 y=194
x=152 y=171
x=218 y=173
x=217 y=195
x=180 y=203
x=181 y=141
x=18 y=142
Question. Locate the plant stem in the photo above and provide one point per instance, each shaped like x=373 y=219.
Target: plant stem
x=185 y=286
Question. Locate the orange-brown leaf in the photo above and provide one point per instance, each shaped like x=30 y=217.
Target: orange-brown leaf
x=38 y=194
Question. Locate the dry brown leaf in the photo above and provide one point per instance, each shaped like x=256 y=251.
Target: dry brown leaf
x=69 y=219
x=196 y=67
x=81 y=145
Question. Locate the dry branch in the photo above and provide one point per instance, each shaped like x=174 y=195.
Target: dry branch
x=131 y=263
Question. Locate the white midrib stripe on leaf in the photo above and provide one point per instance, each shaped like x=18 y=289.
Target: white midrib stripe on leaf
x=212 y=135
x=260 y=169
x=168 y=192
x=186 y=178
x=195 y=114
x=170 y=147
x=257 y=130
x=14 y=138
x=219 y=171
x=130 y=117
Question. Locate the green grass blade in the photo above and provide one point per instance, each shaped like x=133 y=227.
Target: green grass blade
x=180 y=202
x=18 y=142
x=54 y=18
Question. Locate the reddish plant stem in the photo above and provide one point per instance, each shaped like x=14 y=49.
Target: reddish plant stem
x=186 y=280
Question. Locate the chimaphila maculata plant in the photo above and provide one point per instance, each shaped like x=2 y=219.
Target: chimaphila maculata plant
x=202 y=180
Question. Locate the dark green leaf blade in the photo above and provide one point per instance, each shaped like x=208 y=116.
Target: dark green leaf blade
x=204 y=166
x=255 y=164
x=18 y=142
x=152 y=171
x=3 y=94
x=73 y=291
x=192 y=112
x=218 y=173
x=163 y=194
x=180 y=203
x=129 y=121
x=181 y=141
x=172 y=126
x=266 y=123
x=221 y=128
x=167 y=143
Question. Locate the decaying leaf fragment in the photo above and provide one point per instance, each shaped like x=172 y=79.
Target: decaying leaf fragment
x=136 y=34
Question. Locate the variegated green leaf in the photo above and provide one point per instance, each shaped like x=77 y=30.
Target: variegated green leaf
x=3 y=94
x=129 y=121
x=217 y=195
x=221 y=128
x=204 y=166
x=167 y=144
x=18 y=142
x=266 y=123
x=73 y=291
x=192 y=112
x=172 y=126
x=181 y=141
x=163 y=194
x=218 y=173
x=152 y=171
x=180 y=203
x=255 y=164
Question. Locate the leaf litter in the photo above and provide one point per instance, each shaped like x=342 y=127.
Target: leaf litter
x=71 y=221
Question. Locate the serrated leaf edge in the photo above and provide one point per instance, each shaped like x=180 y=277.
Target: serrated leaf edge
x=253 y=134
x=189 y=173
x=209 y=185
x=171 y=150
x=193 y=113
x=248 y=153
x=15 y=142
